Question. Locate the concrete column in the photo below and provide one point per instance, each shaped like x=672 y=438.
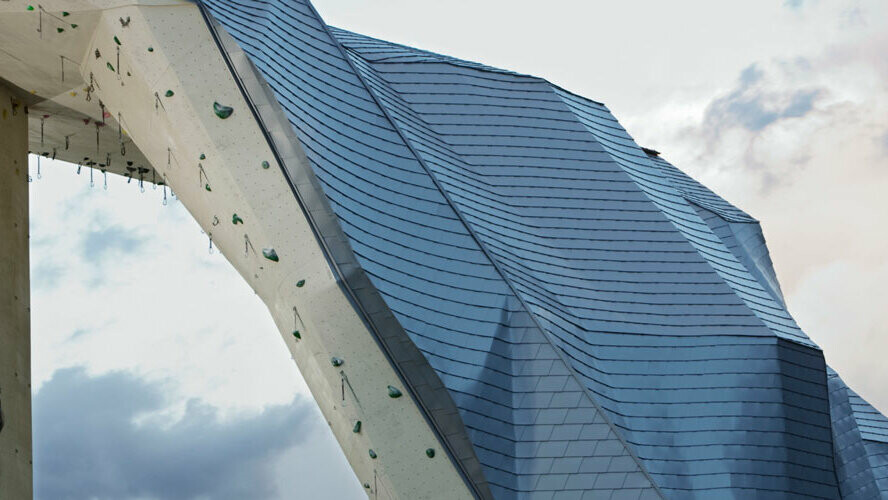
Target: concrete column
x=15 y=304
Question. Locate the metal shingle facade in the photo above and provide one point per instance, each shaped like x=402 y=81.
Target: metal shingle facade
x=606 y=326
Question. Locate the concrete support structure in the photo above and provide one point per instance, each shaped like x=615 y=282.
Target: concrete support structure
x=15 y=310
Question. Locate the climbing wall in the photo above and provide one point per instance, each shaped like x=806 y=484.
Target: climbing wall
x=167 y=80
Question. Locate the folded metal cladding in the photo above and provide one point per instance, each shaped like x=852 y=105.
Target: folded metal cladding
x=602 y=321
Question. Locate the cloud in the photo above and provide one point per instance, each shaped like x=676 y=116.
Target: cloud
x=752 y=106
x=98 y=243
x=45 y=275
x=78 y=333
x=95 y=438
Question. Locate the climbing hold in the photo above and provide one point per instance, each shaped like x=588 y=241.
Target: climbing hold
x=300 y=283
x=150 y=49
x=73 y=93
x=270 y=254
x=430 y=453
x=60 y=30
x=394 y=392
x=74 y=26
x=372 y=454
x=110 y=66
x=207 y=187
x=266 y=165
x=65 y=14
x=30 y=7
x=222 y=111
x=367 y=485
x=336 y=361
x=297 y=335
x=117 y=40
x=203 y=156
x=236 y=220
x=357 y=428
x=170 y=93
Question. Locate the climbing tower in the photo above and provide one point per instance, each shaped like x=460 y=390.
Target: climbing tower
x=491 y=290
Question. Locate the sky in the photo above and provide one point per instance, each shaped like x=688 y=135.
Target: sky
x=154 y=363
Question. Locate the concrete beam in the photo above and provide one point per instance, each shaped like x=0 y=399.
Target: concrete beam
x=15 y=309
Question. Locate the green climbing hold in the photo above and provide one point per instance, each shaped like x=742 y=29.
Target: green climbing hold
x=170 y=93
x=221 y=111
x=336 y=361
x=357 y=428
x=372 y=454
x=150 y=49
x=430 y=453
x=367 y=485
x=394 y=392
x=65 y=14
x=110 y=66
x=297 y=334
x=300 y=283
x=60 y=30
x=207 y=187
x=117 y=40
x=30 y=7
x=266 y=165
x=236 y=220
x=203 y=156
x=74 y=26
x=270 y=254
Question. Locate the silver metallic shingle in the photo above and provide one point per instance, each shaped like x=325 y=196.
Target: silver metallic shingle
x=604 y=325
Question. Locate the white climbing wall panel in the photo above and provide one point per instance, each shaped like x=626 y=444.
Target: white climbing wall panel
x=157 y=73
